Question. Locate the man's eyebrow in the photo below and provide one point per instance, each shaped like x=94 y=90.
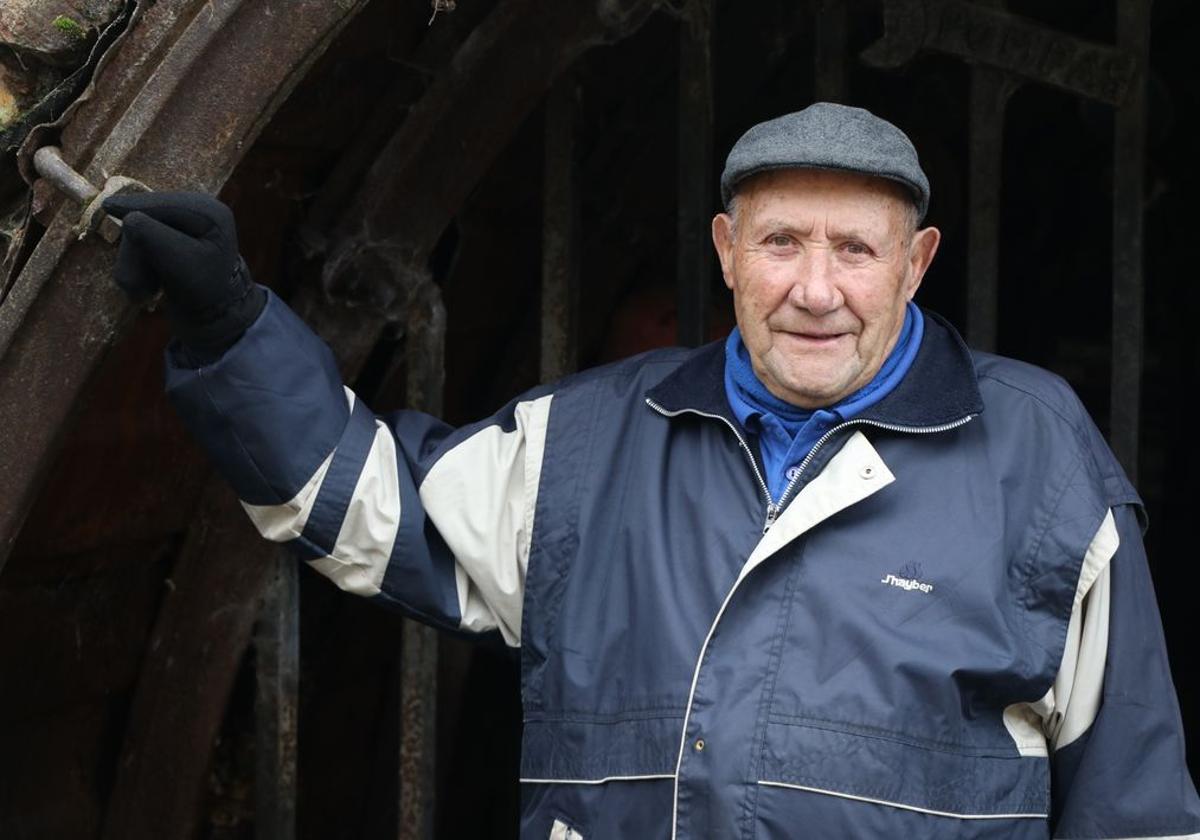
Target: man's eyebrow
x=861 y=233
x=776 y=223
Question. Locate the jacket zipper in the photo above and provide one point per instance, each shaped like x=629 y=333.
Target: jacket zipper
x=773 y=507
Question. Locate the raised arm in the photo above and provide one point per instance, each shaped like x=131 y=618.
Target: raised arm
x=401 y=508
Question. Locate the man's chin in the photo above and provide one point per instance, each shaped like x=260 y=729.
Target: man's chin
x=810 y=384
x=811 y=395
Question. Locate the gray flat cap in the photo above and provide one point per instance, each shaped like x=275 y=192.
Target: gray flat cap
x=827 y=136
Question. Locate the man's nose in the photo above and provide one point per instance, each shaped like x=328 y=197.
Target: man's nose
x=815 y=287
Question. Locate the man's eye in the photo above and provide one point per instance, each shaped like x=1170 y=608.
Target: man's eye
x=779 y=240
x=857 y=249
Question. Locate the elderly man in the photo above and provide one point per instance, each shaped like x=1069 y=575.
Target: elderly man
x=837 y=576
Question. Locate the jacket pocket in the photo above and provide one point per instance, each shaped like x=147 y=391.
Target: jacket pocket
x=630 y=746
x=939 y=780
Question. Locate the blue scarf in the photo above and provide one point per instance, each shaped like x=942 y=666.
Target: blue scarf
x=786 y=433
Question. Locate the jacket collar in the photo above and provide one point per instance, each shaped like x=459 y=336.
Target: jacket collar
x=940 y=388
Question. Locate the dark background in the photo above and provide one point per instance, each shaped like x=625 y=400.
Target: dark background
x=79 y=596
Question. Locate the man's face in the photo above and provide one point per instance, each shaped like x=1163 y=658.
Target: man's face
x=821 y=266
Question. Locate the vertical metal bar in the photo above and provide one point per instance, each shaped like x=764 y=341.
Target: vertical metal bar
x=695 y=176
x=990 y=90
x=425 y=351
x=276 y=704
x=560 y=270
x=1129 y=144
x=830 y=51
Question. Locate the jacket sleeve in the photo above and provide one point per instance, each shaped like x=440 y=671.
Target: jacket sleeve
x=1117 y=766
x=401 y=508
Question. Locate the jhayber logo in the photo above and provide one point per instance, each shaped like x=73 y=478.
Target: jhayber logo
x=907 y=583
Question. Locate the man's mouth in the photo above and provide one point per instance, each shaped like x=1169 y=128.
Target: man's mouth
x=814 y=338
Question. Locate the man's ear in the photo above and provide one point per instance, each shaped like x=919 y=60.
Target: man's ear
x=722 y=237
x=920 y=254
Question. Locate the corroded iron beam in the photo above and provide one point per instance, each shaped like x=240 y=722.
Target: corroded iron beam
x=277 y=705
x=425 y=352
x=990 y=92
x=992 y=37
x=190 y=89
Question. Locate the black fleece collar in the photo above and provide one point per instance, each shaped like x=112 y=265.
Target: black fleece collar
x=940 y=388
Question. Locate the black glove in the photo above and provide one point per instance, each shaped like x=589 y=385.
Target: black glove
x=186 y=244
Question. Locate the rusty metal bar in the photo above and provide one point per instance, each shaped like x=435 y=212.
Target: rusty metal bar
x=276 y=705
x=49 y=164
x=1128 y=292
x=830 y=51
x=990 y=91
x=425 y=351
x=560 y=270
x=695 y=142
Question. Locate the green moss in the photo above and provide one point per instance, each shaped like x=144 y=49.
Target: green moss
x=70 y=26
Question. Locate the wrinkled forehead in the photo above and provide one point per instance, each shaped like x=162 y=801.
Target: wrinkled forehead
x=813 y=194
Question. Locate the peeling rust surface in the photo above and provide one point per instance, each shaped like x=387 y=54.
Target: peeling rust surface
x=198 y=79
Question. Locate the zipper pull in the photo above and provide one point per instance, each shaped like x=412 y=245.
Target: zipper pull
x=772 y=512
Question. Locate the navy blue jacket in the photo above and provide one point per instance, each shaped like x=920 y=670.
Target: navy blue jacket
x=945 y=629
